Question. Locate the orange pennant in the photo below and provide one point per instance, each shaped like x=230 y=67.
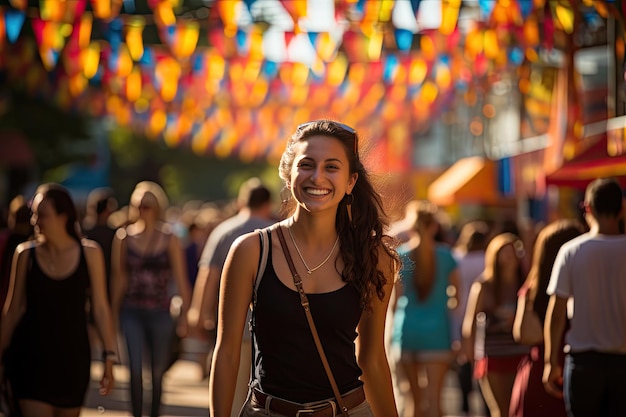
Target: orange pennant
x=296 y=9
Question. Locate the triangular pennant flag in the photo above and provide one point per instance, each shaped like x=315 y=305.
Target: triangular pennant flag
x=296 y=9
x=548 y=26
x=404 y=39
x=129 y=6
x=13 y=20
x=313 y=37
x=228 y=13
x=415 y=4
x=242 y=42
x=289 y=37
x=134 y=36
x=526 y=8
x=2 y=31
x=249 y=4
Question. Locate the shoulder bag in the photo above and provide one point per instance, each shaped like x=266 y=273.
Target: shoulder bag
x=305 y=305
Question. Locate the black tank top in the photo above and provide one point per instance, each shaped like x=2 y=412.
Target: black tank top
x=287 y=364
x=49 y=353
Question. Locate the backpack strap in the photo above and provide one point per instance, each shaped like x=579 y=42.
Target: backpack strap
x=265 y=248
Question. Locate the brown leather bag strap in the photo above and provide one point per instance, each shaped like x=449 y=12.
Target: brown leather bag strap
x=309 y=318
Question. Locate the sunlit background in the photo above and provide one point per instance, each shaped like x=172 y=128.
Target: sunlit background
x=479 y=105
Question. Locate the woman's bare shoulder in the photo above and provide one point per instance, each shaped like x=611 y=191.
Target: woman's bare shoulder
x=91 y=248
x=247 y=244
x=26 y=246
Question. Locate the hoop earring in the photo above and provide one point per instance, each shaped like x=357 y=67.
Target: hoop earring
x=349 y=202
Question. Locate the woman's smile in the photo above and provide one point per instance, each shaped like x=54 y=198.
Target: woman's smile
x=317 y=191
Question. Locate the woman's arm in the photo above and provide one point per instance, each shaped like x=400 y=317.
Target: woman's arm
x=179 y=270
x=371 y=354
x=468 y=330
x=119 y=276
x=453 y=289
x=15 y=304
x=527 y=328
x=235 y=296
x=101 y=311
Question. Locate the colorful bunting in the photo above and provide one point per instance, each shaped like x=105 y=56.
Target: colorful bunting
x=222 y=95
x=13 y=22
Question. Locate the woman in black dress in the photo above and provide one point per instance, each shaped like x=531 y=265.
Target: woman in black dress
x=43 y=339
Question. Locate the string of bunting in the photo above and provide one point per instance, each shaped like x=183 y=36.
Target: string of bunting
x=214 y=83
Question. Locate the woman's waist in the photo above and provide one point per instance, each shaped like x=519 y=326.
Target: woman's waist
x=321 y=408
x=305 y=380
x=298 y=391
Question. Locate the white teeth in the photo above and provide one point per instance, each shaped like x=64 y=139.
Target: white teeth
x=317 y=192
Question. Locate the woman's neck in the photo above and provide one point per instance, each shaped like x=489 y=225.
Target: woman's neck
x=147 y=227
x=313 y=229
x=59 y=243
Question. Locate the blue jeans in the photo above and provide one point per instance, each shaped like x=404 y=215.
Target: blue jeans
x=594 y=384
x=150 y=331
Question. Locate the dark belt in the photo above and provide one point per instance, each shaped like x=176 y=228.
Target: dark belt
x=324 y=409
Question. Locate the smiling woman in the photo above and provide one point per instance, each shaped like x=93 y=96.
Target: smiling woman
x=335 y=220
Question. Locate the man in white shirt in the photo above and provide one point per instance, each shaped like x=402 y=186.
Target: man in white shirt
x=590 y=272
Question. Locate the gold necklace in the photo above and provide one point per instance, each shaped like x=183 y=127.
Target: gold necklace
x=311 y=270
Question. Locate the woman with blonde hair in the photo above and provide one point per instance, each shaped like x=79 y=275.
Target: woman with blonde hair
x=421 y=331
x=488 y=322
x=147 y=257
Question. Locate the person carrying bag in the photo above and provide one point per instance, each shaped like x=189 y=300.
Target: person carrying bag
x=318 y=321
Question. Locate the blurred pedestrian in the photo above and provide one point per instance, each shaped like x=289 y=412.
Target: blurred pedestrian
x=529 y=398
x=19 y=230
x=101 y=203
x=196 y=239
x=488 y=323
x=255 y=212
x=335 y=243
x=421 y=325
x=590 y=272
x=147 y=258
x=43 y=340
x=469 y=252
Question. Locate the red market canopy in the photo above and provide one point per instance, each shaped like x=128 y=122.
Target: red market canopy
x=594 y=162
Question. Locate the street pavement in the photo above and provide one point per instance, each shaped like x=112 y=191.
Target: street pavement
x=185 y=393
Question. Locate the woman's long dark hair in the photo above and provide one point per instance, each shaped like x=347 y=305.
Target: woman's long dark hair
x=63 y=204
x=361 y=239
x=547 y=245
x=491 y=274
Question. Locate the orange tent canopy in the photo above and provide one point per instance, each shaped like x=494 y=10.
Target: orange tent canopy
x=469 y=181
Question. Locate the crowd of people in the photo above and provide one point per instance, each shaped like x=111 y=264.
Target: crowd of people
x=291 y=300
